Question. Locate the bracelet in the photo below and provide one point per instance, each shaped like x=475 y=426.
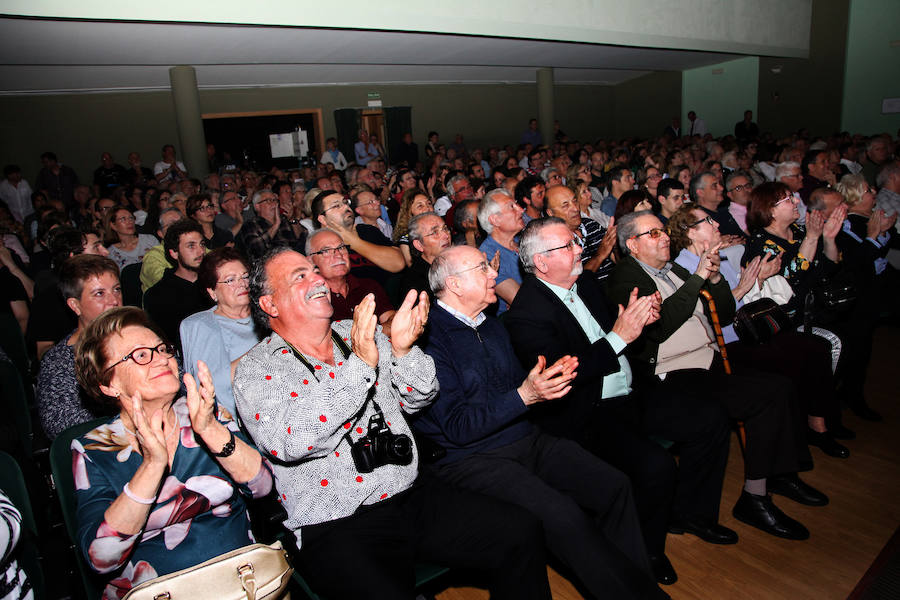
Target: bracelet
x=137 y=498
x=228 y=448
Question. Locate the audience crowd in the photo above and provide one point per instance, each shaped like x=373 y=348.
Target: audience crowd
x=479 y=357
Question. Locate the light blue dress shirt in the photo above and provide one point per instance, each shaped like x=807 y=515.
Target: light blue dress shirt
x=615 y=384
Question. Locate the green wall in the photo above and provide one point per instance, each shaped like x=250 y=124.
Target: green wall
x=873 y=66
x=78 y=127
x=720 y=94
x=644 y=106
x=797 y=92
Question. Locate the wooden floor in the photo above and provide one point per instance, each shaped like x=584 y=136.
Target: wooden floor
x=846 y=535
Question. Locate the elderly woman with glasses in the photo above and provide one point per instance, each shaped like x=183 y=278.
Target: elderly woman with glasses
x=161 y=486
x=772 y=221
x=223 y=333
x=202 y=208
x=803 y=358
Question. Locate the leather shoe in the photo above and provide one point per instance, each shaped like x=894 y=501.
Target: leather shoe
x=825 y=441
x=794 y=488
x=662 y=569
x=862 y=409
x=706 y=530
x=761 y=512
x=839 y=432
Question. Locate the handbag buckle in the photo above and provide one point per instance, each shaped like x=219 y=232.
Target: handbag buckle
x=163 y=596
x=248 y=580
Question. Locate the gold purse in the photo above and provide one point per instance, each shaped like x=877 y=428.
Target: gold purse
x=254 y=572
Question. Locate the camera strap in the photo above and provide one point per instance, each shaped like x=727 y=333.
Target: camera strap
x=345 y=351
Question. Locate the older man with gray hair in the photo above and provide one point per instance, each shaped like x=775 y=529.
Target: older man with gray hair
x=428 y=237
x=585 y=505
x=458 y=189
x=267 y=229
x=501 y=219
x=677 y=358
x=332 y=257
x=790 y=174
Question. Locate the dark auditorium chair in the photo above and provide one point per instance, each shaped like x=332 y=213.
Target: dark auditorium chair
x=64 y=481
x=16 y=435
x=130 y=278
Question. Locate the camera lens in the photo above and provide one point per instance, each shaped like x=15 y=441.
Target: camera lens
x=401 y=447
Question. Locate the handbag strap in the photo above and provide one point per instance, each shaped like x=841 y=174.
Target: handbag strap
x=248 y=580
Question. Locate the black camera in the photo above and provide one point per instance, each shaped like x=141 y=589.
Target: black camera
x=380 y=446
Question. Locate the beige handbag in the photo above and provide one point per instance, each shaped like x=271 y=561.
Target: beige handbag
x=254 y=572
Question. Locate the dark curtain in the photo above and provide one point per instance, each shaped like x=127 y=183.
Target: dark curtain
x=346 y=123
x=397 y=121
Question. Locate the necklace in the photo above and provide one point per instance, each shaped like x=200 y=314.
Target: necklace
x=168 y=435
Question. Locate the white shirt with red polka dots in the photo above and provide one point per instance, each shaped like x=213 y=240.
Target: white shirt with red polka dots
x=300 y=420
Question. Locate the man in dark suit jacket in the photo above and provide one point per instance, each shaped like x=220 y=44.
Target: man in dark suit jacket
x=557 y=315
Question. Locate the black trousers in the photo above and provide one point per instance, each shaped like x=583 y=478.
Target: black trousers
x=803 y=358
x=767 y=404
x=585 y=506
x=610 y=429
x=372 y=553
x=701 y=428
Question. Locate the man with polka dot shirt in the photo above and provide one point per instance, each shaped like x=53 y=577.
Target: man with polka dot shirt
x=309 y=392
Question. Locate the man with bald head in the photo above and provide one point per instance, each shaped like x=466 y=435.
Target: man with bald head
x=597 y=242
x=331 y=256
x=584 y=504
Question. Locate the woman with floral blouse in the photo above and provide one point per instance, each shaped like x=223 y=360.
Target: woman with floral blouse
x=165 y=477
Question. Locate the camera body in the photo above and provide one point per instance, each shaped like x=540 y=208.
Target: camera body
x=380 y=446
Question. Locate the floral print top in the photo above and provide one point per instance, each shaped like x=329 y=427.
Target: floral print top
x=199 y=512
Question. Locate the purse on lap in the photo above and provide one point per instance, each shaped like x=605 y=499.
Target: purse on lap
x=759 y=321
x=254 y=572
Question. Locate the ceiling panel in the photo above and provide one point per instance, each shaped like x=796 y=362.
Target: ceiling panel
x=51 y=56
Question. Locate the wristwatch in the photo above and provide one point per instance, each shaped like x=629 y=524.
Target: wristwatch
x=228 y=448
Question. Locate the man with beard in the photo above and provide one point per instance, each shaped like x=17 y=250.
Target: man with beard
x=176 y=295
x=428 y=236
x=331 y=256
x=529 y=194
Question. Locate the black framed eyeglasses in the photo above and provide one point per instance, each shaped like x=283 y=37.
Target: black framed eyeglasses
x=655 y=233
x=330 y=251
x=741 y=188
x=706 y=219
x=571 y=246
x=144 y=355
